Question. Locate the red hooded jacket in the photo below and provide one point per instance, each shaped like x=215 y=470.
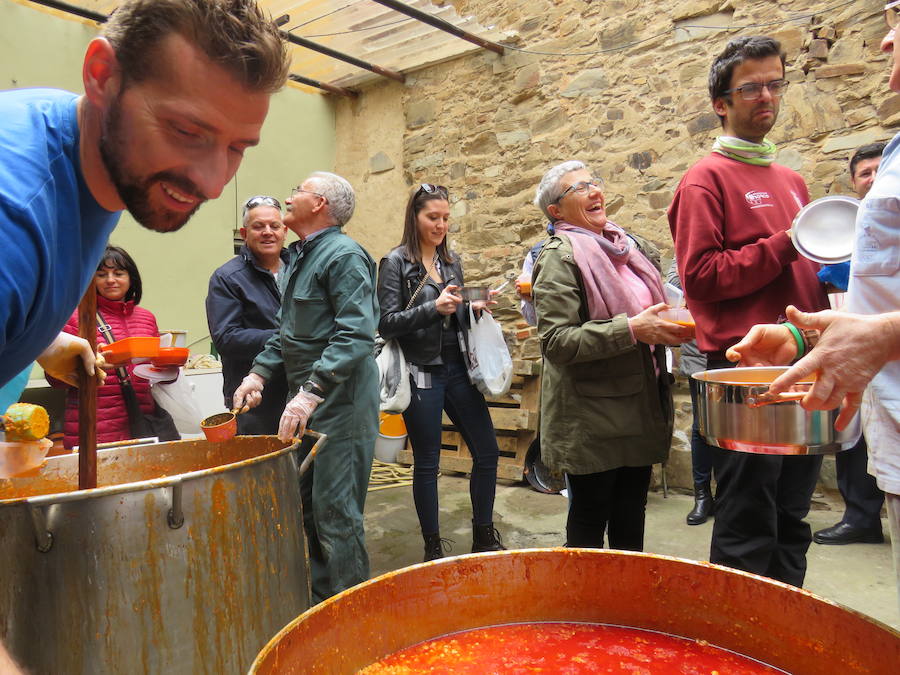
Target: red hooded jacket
x=125 y=319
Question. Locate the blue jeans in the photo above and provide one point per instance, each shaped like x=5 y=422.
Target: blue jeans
x=451 y=391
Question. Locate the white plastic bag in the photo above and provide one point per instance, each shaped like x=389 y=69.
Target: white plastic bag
x=178 y=400
x=393 y=378
x=490 y=365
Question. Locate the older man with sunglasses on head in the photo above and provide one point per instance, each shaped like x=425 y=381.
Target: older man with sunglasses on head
x=242 y=308
x=857 y=357
x=730 y=220
x=324 y=342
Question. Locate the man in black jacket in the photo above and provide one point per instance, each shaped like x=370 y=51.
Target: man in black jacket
x=241 y=308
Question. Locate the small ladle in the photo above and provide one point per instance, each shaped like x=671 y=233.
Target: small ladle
x=222 y=426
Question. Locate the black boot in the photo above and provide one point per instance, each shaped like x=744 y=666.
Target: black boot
x=486 y=538
x=703 y=504
x=435 y=546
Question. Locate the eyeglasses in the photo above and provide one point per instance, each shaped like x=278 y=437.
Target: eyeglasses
x=753 y=90
x=433 y=190
x=582 y=187
x=258 y=226
x=261 y=200
x=891 y=12
x=299 y=189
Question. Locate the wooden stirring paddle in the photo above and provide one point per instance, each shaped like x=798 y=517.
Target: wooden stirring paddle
x=87 y=395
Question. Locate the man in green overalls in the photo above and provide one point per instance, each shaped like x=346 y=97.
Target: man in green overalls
x=329 y=313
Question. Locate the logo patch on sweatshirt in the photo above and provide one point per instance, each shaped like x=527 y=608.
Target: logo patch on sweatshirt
x=758 y=199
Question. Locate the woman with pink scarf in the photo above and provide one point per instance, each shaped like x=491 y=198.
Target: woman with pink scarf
x=606 y=406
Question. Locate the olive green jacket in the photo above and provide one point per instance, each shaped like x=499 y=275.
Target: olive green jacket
x=602 y=404
x=326 y=331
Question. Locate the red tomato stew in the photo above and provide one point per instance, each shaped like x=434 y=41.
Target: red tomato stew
x=567 y=649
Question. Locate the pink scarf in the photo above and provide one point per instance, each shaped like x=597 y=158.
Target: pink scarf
x=596 y=256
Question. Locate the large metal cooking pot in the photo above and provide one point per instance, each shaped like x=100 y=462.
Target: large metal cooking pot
x=778 y=624
x=728 y=419
x=186 y=558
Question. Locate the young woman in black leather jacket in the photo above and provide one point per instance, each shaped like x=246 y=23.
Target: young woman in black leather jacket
x=430 y=331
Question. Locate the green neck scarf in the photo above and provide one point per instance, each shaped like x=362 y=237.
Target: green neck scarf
x=760 y=154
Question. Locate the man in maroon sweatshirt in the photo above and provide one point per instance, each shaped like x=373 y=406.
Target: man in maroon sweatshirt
x=730 y=220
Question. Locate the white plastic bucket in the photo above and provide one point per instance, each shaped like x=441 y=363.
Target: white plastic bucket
x=387 y=448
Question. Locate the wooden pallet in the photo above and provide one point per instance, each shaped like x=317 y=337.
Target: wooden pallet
x=516 y=418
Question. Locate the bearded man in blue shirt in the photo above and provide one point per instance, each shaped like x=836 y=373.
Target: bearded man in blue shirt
x=174 y=92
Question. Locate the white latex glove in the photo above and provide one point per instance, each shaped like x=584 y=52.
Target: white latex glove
x=61 y=358
x=296 y=414
x=249 y=394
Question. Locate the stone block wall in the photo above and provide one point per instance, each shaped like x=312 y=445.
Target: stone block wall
x=619 y=84
x=628 y=97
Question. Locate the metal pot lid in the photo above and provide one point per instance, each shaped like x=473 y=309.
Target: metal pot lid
x=823 y=229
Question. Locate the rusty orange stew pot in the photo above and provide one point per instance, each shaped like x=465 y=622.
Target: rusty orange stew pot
x=185 y=559
x=775 y=623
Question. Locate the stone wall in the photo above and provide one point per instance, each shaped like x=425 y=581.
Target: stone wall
x=488 y=126
x=627 y=95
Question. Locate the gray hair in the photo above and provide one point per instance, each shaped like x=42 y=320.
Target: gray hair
x=550 y=189
x=338 y=192
x=260 y=201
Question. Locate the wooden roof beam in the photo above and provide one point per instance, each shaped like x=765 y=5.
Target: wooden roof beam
x=102 y=18
x=352 y=60
x=440 y=24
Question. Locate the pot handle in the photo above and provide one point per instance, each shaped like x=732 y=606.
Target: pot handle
x=317 y=446
x=43 y=538
x=175 y=516
x=769 y=399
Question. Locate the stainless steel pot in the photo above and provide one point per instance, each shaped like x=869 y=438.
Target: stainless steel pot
x=728 y=417
x=778 y=624
x=186 y=558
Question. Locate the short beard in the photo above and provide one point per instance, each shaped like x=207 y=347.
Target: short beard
x=133 y=190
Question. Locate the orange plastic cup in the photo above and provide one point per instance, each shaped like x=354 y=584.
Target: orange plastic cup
x=220 y=427
x=524 y=287
x=680 y=316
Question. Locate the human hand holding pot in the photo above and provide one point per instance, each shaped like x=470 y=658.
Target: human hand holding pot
x=61 y=358
x=249 y=393
x=851 y=351
x=448 y=300
x=296 y=414
x=766 y=344
x=650 y=329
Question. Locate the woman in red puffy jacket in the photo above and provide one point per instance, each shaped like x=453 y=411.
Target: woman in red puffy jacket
x=118 y=285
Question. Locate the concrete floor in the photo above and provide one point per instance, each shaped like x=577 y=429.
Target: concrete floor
x=859 y=576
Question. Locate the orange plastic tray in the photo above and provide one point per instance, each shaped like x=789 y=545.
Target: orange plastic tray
x=122 y=351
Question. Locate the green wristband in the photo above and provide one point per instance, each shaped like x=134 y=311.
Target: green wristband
x=801 y=345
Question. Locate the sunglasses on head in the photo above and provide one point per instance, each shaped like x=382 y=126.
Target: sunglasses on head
x=430 y=189
x=261 y=200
